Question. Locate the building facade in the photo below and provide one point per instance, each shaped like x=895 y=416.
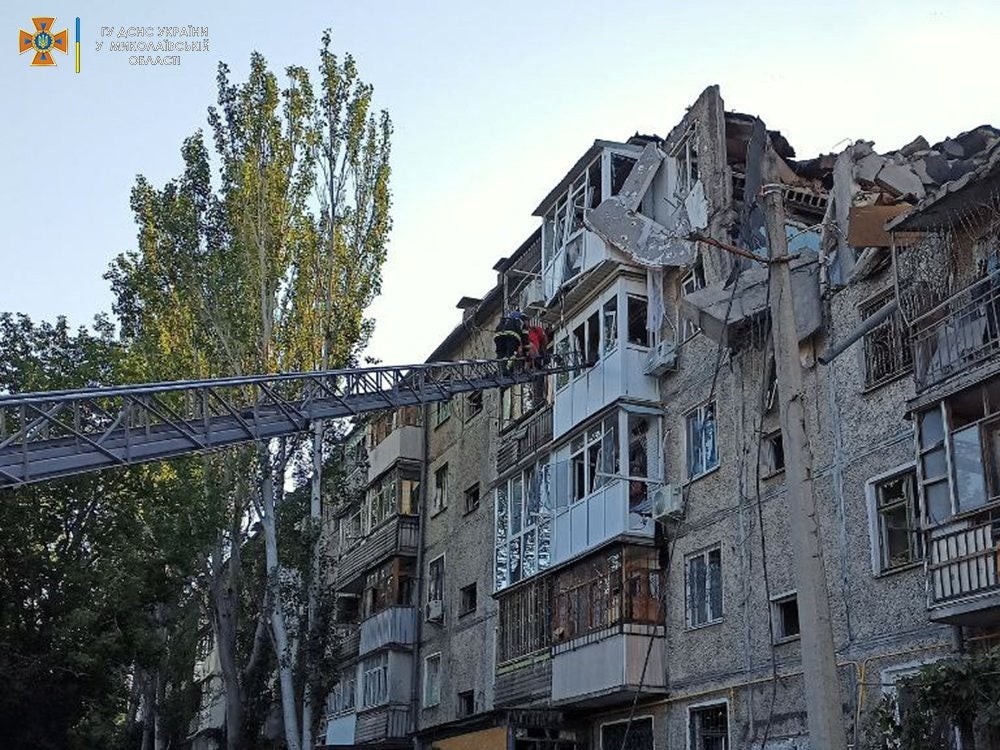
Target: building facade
x=603 y=558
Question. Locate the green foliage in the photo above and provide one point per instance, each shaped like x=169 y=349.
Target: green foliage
x=963 y=693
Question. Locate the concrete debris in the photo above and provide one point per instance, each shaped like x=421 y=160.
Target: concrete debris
x=641 y=176
x=646 y=241
x=867 y=169
x=917 y=144
x=901 y=181
x=708 y=307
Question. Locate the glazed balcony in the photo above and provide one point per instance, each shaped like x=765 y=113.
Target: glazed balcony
x=397 y=536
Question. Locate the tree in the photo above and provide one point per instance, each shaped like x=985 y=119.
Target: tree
x=250 y=278
x=92 y=569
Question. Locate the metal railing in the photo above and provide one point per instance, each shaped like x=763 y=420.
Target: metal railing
x=59 y=433
x=964 y=559
x=962 y=331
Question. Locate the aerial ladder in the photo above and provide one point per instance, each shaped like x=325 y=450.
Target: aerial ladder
x=53 y=434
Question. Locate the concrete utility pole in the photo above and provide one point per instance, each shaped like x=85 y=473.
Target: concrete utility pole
x=823 y=702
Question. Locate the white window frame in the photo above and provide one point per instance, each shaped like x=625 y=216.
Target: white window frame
x=700 y=411
x=874 y=518
x=377 y=694
x=708 y=704
x=528 y=526
x=440 y=501
x=430 y=580
x=691 y=282
x=688 y=609
x=650 y=336
x=426 y=698
x=610 y=427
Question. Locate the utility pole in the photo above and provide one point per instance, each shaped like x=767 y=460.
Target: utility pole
x=823 y=702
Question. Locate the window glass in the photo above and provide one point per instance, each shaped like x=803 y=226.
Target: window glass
x=637 y=311
x=610 y=321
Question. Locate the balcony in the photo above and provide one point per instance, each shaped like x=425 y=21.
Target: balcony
x=606 y=668
x=522 y=442
x=340 y=729
x=961 y=332
x=397 y=536
x=406 y=443
x=963 y=570
x=393 y=626
x=600 y=516
x=348 y=640
x=390 y=722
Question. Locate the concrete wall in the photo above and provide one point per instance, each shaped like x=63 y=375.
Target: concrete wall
x=466 y=642
x=406 y=442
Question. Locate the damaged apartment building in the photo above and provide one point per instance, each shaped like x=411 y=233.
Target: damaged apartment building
x=602 y=559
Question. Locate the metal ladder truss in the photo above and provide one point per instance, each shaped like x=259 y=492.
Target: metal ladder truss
x=54 y=434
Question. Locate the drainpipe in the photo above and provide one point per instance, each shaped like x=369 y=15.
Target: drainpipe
x=421 y=526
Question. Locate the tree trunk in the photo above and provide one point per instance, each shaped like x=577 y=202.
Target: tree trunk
x=276 y=612
x=315 y=514
x=224 y=631
x=159 y=722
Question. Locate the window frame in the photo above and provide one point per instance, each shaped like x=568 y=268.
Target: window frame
x=876 y=534
x=464 y=710
x=700 y=707
x=436 y=586
x=777 y=602
x=463 y=608
x=701 y=410
x=690 y=282
x=769 y=467
x=435 y=657
x=471 y=410
x=469 y=491
x=893 y=328
x=442 y=412
x=650 y=337
x=383 y=697
x=633 y=720
x=439 y=503
x=719 y=617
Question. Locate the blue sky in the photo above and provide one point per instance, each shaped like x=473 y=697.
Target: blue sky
x=492 y=102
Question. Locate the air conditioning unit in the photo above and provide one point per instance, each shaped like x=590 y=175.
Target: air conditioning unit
x=435 y=610
x=662 y=359
x=668 y=502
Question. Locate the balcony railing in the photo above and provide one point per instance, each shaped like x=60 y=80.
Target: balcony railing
x=525 y=440
x=964 y=560
x=398 y=535
x=962 y=331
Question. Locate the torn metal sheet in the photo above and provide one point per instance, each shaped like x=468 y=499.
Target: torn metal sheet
x=641 y=176
x=646 y=241
x=708 y=307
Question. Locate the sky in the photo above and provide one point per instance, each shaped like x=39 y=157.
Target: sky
x=491 y=103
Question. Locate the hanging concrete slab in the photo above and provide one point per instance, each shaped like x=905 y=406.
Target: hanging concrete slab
x=646 y=241
x=641 y=176
x=724 y=321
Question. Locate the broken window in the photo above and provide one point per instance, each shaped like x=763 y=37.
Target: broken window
x=525 y=620
x=381 y=500
x=887 y=349
x=515 y=402
x=690 y=283
x=621 y=167
x=440 y=489
x=898 y=526
x=435 y=580
x=390 y=585
x=702 y=454
x=638 y=309
x=641 y=448
x=772 y=455
x=959 y=452
x=610 y=323
x=785 y=615
x=523 y=532
x=709 y=727
x=703 y=581
x=611 y=588
x=770 y=385
x=686 y=155
x=562 y=352
x=473 y=404
x=594 y=458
